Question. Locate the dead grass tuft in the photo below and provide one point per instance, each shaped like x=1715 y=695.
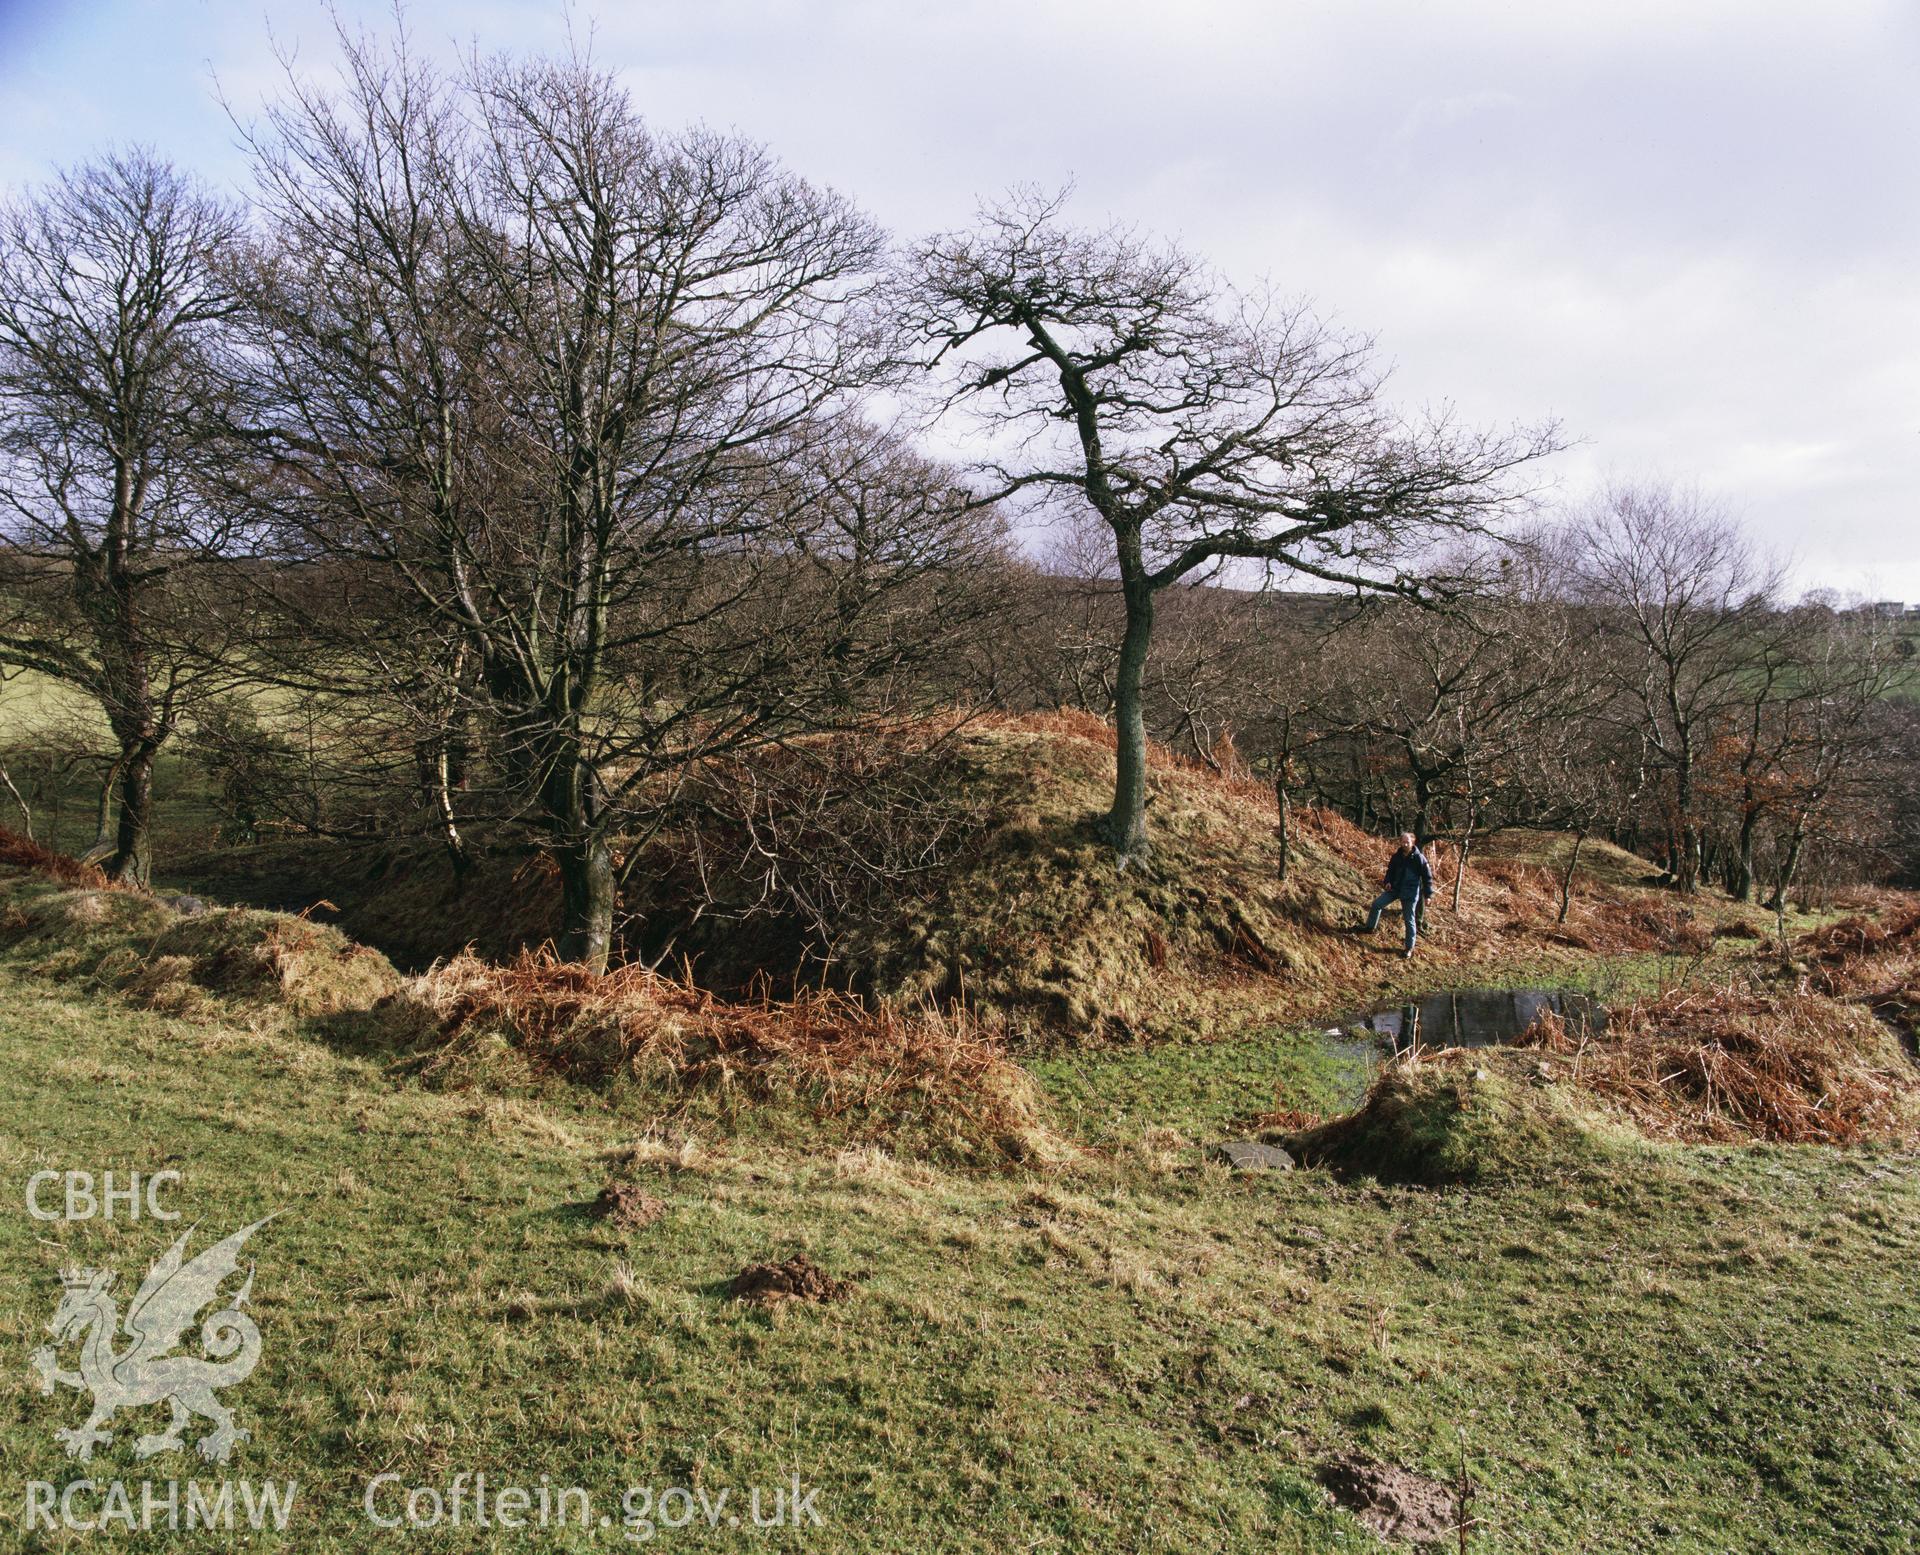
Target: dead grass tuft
x=24 y=853
x=846 y=1060
x=1729 y=1065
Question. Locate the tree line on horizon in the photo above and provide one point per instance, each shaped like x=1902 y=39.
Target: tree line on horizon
x=504 y=463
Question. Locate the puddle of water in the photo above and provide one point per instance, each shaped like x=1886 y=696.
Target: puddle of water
x=1461 y=1017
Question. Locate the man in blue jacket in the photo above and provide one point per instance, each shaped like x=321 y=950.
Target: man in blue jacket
x=1409 y=881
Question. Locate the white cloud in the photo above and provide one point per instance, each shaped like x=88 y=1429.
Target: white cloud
x=1687 y=229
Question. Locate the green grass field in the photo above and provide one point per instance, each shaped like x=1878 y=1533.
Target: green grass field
x=1673 y=1350
x=39 y=716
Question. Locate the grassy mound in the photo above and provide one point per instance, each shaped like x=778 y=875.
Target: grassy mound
x=1699 y=1066
x=921 y=868
x=1016 y=908
x=137 y=946
x=1731 y=1065
x=821 y=1068
x=959 y=862
x=1464 y=1117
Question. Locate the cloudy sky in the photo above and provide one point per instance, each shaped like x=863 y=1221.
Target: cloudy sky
x=1690 y=229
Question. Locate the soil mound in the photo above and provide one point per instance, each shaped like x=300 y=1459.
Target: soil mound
x=1395 y=1503
x=798 y=1278
x=628 y=1207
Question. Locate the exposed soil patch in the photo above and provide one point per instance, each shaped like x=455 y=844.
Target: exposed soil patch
x=799 y=1278
x=628 y=1207
x=1395 y=1503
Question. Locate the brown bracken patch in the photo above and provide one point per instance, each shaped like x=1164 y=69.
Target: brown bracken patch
x=24 y=853
x=1727 y=1064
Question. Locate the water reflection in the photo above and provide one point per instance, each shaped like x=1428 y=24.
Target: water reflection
x=1466 y=1017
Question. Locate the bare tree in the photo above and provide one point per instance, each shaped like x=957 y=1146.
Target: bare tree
x=1680 y=592
x=1577 y=775
x=1203 y=426
x=584 y=387
x=1837 y=741
x=117 y=409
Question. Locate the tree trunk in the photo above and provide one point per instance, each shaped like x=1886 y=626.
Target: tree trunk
x=572 y=798
x=132 y=859
x=26 y=814
x=1422 y=810
x=437 y=776
x=1460 y=869
x=1566 y=875
x=103 y=821
x=1286 y=823
x=1126 y=822
x=1788 y=869
x=586 y=901
x=1743 y=862
x=1686 y=871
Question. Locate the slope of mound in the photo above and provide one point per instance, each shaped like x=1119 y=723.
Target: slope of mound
x=139 y=947
x=1465 y=1117
x=960 y=862
x=1011 y=904
x=1600 y=862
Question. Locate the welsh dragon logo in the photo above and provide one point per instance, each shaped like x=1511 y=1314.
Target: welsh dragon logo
x=172 y=1295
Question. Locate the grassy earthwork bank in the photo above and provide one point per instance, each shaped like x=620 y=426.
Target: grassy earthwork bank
x=1653 y=1294
x=1139 y=1351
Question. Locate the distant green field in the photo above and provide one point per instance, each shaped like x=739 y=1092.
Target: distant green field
x=1907 y=683
x=32 y=704
x=39 y=715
